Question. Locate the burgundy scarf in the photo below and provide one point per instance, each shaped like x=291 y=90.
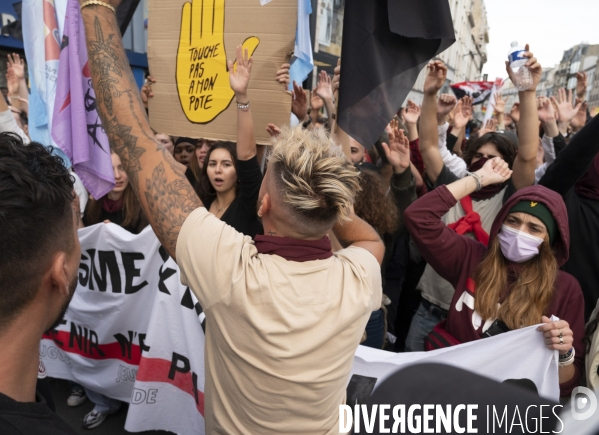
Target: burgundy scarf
x=111 y=206
x=487 y=191
x=294 y=249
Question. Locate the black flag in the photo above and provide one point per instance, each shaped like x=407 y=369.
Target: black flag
x=125 y=12
x=386 y=43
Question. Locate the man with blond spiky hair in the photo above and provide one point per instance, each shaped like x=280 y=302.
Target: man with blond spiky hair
x=284 y=314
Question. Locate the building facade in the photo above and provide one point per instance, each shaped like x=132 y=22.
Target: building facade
x=580 y=58
x=464 y=59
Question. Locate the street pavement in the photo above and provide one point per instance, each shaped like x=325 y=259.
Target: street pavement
x=113 y=425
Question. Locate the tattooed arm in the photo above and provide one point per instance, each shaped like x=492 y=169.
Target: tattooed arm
x=165 y=195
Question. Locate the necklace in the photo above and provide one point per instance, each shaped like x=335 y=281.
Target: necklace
x=218 y=210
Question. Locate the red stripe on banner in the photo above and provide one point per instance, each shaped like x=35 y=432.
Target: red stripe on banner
x=88 y=348
x=157 y=370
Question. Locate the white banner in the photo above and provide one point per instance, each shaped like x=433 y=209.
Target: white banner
x=169 y=390
x=130 y=312
x=101 y=338
x=519 y=354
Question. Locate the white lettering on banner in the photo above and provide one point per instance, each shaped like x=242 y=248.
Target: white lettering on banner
x=133 y=320
x=419 y=418
x=120 y=276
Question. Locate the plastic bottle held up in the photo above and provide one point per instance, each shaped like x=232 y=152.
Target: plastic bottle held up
x=522 y=75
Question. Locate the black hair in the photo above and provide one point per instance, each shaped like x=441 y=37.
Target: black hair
x=24 y=119
x=505 y=146
x=36 y=217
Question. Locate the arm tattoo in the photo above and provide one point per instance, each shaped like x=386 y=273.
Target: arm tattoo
x=104 y=59
x=171 y=202
x=168 y=196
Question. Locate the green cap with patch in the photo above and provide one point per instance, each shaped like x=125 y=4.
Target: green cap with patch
x=538 y=210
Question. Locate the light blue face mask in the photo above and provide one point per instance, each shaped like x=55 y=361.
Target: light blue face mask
x=518 y=246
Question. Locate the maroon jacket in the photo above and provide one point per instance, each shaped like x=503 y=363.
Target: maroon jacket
x=456 y=258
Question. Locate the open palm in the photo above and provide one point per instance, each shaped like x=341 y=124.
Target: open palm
x=412 y=113
x=398 y=150
x=463 y=113
x=565 y=109
x=16 y=64
x=239 y=73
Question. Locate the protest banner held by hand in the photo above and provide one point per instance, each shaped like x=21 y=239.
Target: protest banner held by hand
x=202 y=74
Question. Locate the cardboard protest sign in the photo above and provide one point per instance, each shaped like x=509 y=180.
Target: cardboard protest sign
x=188 y=46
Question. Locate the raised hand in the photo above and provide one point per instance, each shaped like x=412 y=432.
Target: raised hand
x=316 y=102
x=398 y=150
x=494 y=171
x=411 y=113
x=566 y=111
x=146 y=91
x=16 y=65
x=283 y=75
x=499 y=105
x=336 y=76
x=12 y=82
x=515 y=112
x=324 y=89
x=535 y=70
x=239 y=73
x=463 y=113
x=581 y=116
x=581 y=84
x=299 y=102
x=489 y=127
x=273 y=130
x=437 y=74
x=202 y=85
x=445 y=104
x=545 y=109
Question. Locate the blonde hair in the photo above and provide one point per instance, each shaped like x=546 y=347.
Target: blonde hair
x=315 y=180
x=526 y=300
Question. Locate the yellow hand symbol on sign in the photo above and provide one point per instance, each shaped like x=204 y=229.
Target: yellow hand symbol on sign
x=202 y=75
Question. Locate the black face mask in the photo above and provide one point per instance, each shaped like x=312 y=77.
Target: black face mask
x=487 y=191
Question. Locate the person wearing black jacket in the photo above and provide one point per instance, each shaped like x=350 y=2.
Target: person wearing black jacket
x=231 y=175
x=39 y=264
x=575 y=175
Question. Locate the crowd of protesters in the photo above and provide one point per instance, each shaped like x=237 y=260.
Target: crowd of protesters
x=472 y=230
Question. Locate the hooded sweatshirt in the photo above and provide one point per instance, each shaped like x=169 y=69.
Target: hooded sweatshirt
x=456 y=259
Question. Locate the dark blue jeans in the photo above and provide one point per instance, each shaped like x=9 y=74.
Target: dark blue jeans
x=375 y=330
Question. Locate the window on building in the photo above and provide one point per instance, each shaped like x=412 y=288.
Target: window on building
x=572 y=83
x=574 y=67
x=329 y=26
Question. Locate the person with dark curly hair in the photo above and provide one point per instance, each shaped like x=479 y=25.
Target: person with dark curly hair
x=39 y=264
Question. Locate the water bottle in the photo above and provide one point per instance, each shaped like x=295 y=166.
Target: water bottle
x=522 y=75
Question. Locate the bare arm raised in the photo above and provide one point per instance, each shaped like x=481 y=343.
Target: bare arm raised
x=165 y=195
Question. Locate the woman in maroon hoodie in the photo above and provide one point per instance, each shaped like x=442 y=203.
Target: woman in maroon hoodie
x=513 y=283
